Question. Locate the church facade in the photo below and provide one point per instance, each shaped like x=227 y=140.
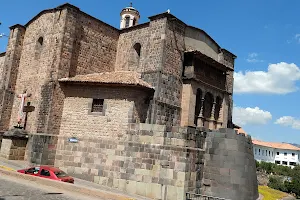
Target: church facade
x=119 y=107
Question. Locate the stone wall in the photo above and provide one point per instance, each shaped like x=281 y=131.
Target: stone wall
x=10 y=72
x=58 y=43
x=95 y=45
x=122 y=105
x=2 y=59
x=13 y=148
x=39 y=58
x=41 y=149
x=157 y=162
x=151 y=161
x=229 y=166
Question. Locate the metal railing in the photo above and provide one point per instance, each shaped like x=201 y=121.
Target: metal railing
x=193 y=196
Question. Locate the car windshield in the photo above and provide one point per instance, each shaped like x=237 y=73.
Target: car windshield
x=60 y=174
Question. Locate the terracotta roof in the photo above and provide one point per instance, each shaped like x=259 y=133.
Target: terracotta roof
x=118 y=77
x=240 y=131
x=275 y=145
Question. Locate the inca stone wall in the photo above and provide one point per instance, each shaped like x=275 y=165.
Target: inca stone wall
x=41 y=149
x=229 y=166
x=150 y=161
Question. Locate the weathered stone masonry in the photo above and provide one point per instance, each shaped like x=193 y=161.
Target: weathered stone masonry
x=148 y=139
x=152 y=161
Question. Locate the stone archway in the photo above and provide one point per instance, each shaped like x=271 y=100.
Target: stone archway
x=198 y=105
x=218 y=106
x=207 y=108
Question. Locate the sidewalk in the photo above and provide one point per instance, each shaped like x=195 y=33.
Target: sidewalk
x=13 y=165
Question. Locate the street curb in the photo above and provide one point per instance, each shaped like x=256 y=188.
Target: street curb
x=65 y=186
x=7 y=168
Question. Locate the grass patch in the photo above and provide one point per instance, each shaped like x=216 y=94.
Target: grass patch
x=270 y=194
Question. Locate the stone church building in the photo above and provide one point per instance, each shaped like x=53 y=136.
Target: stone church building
x=120 y=107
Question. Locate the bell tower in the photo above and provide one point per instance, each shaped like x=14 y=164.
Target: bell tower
x=129 y=17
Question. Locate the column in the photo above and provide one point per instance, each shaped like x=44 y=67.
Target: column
x=201 y=118
x=220 y=119
x=212 y=122
x=212 y=115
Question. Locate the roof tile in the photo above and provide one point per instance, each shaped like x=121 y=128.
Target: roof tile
x=117 y=77
x=276 y=145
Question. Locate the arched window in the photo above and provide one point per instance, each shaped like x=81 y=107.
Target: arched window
x=38 y=47
x=198 y=106
x=218 y=108
x=134 y=22
x=127 y=21
x=41 y=40
x=208 y=104
x=137 y=48
x=134 y=59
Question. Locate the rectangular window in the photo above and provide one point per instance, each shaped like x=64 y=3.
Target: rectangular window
x=285 y=154
x=97 y=105
x=266 y=152
x=262 y=152
x=292 y=163
x=293 y=154
x=269 y=153
x=258 y=151
x=255 y=151
x=272 y=154
x=277 y=162
x=277 y=153
x=284 y=162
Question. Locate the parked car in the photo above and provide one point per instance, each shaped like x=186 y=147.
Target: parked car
x=48 y=172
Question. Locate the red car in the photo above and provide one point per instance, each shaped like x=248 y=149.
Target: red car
x=48 y=172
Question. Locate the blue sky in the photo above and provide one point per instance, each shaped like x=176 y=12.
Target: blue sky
x=265 y=36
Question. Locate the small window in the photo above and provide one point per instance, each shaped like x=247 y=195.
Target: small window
x=284 y=162
x=269 y=153
x=255 y=151
x=293 y=154
x=272 y=154
x=266 y=152
x=127 y=20
x=292 y=163
x=277 y=162
x=97 y=105
x=134 y=21
x=45 y=172
x=41 y=41
x=258 y=151
x=285 y=154
x=277 y=153
x=137 y=48
x=262 y=152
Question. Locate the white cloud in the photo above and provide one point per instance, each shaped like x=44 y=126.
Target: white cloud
x=252 y=58
x=242 y=116
x=279 y=79
x=288 y=121
x=297 y=37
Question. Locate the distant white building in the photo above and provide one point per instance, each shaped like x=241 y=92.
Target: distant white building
x=278 y=153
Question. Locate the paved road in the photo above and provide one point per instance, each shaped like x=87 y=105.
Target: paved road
x=17 y=189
